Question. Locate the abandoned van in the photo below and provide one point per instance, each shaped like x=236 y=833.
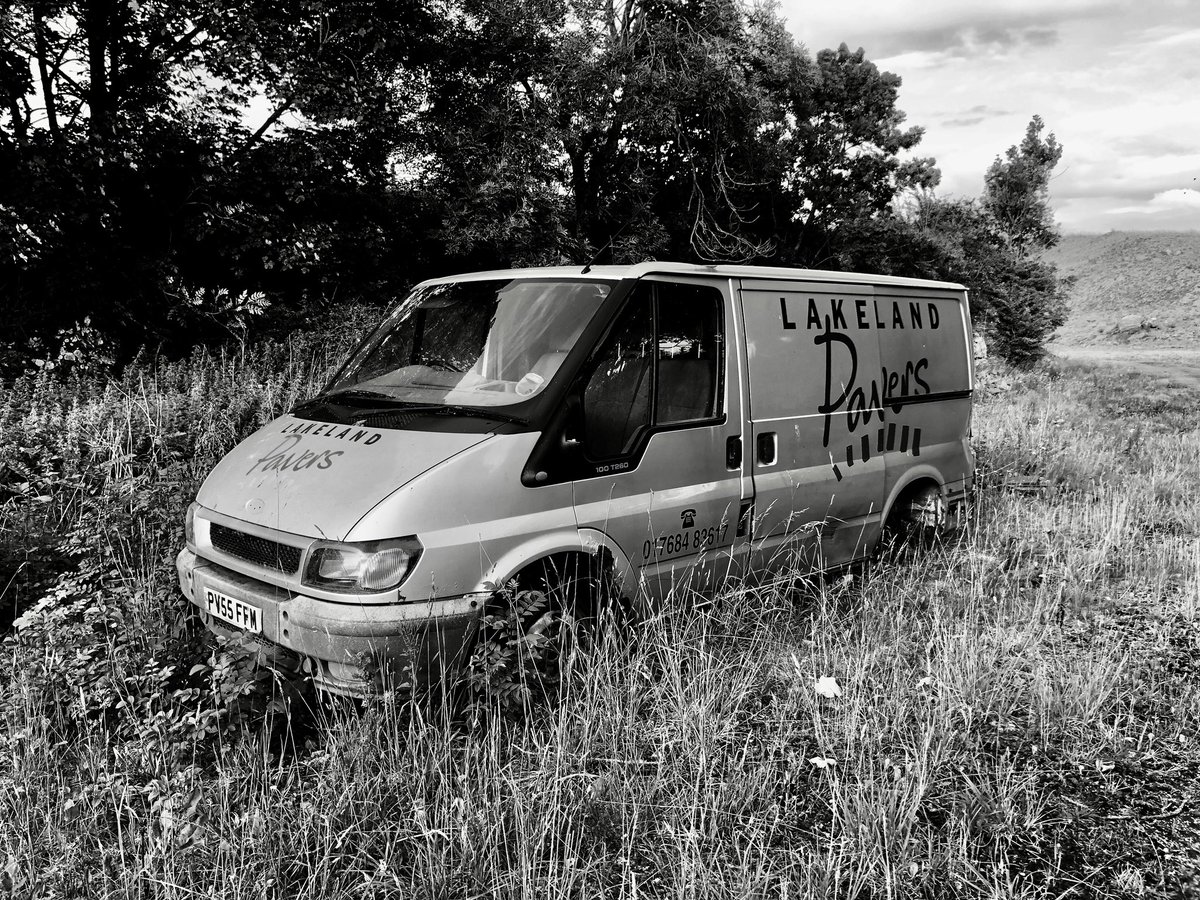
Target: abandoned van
x=673 y=425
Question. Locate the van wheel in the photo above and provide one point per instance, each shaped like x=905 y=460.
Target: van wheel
x=534 y=629
x=917 y=521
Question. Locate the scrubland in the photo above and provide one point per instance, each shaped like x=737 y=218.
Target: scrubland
x=1015 y=712
x=1151 y=276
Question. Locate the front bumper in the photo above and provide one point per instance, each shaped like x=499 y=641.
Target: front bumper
x=349 y=648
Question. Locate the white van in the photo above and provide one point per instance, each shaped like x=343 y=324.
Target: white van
x=672 y=424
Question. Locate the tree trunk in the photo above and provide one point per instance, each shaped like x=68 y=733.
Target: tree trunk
x=579 y=188
x=97 y=18
x=20 y=133
x=262 y=130
x=39 y=43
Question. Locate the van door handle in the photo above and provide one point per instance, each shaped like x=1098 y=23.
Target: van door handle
x=733 y=452
x=767 y=448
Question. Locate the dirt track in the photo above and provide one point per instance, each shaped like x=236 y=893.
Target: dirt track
x=1180 y=366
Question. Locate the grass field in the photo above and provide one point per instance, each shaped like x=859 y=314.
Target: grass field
x=1016 y=716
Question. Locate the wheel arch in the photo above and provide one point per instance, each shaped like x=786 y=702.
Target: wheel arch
x=585 y=542
x=916 y=480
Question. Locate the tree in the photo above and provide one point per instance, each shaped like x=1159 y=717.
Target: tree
x=993 y=245
x=677 y=109
x=1017 y=299
x=484 y=150
x=1016 y=190
x=345 y=148
x=621 y=130
x=846 y=168
x=690 y=129
x=136 y=177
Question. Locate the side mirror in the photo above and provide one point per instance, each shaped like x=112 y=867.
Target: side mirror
x=573 y=425
x=558 y=455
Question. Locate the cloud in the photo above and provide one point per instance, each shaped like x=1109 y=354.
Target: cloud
x=1169 y=211
x=1115 y=82
x=887 y=28
x=1134 y=187
x=1100 y=171
x=941 y=45
x=1153 y=144
x=1000 y=28
x=968 y=118
x=1179 y=199
x=1000 y=40
x=1163 y=36
x=1041 y=37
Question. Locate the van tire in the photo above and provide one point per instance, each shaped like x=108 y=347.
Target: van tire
x=535 y=625
x=917 y=521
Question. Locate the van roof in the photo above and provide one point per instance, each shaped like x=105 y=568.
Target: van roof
x=773 y=273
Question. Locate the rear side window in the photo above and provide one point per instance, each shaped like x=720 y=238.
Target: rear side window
x=660 y=367
x=688 y=343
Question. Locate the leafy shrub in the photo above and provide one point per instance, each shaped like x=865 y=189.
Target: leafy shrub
x=522 y=641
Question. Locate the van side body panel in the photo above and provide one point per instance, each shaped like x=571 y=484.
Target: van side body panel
x=927 y=430
x=811 y=346
x=858 y=386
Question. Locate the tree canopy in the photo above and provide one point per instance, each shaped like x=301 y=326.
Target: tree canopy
x=1016 y=190
x=174 y=167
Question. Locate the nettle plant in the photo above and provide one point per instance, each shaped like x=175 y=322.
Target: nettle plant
x=102 y=650
x=520 y=640
x=232 y=311
x=81 y=350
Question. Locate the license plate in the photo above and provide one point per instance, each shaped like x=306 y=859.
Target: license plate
x=235 y=612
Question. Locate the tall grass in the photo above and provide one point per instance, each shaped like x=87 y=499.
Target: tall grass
x=1017 y=711
x=79 y=450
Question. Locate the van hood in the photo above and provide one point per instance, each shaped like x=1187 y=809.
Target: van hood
x=318 y=479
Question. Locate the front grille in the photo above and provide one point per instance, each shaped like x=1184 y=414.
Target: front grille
x=260 y=551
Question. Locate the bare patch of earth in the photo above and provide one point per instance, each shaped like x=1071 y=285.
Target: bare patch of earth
x=1177 y=366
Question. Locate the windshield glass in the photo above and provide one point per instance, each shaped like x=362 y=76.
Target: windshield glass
x=473 y=343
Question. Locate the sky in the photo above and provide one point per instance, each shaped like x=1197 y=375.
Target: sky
x=1117 y=82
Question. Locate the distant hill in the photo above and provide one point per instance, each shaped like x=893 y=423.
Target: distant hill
x=1132 y=288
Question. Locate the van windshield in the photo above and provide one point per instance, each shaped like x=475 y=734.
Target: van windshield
x=472 y=343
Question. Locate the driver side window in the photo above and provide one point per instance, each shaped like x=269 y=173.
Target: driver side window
x=616 y=400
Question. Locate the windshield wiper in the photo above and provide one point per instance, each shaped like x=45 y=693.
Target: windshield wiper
x=357 y=394
x=454 y=409
x=396 y=406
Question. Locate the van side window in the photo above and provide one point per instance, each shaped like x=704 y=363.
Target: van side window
x=661 y=366
x=689 y=352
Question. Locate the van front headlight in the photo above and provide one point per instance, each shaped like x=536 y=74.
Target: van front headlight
x=189 y=525
x=366 y=567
